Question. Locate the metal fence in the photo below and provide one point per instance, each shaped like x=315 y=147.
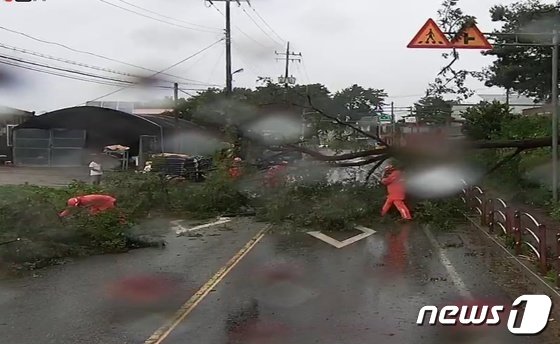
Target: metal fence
x=526 y=232
x=44 y=147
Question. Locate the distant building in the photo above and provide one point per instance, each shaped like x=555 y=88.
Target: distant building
x=517 y=103
x=66 y=137
x=134 y=108
x=9 y=119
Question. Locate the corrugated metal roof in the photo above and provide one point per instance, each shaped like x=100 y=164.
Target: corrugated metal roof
x=168 y=122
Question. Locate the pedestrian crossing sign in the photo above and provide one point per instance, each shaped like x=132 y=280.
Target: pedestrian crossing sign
x=430 y=36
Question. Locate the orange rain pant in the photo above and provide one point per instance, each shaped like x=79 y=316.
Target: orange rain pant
x=399 y=204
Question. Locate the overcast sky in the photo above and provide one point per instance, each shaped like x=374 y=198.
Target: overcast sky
x=342 y=42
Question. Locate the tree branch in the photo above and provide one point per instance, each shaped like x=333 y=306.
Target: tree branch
x=323 y=157
x=524 y=144
x=375 y=167
x=359 y=163
x=504 y=161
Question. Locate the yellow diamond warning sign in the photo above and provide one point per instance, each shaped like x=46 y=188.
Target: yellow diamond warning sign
x=429 y=36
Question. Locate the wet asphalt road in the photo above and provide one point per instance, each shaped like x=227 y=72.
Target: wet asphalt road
x=115 y=298
x=290 y=288
x=297 y=289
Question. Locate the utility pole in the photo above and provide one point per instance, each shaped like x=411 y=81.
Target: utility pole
x=176 y=94
x=289 y=56
x=176 y=113
x=229 y=77
x=555 y=41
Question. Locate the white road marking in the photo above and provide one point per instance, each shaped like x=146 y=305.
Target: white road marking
x=181 y=230
x=340 y=244
x=455 y=278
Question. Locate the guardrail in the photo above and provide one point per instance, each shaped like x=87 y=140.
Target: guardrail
x=527 y=233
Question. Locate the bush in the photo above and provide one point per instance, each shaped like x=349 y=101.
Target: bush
x=441 y=214
x=31 y=213
x=321 y=206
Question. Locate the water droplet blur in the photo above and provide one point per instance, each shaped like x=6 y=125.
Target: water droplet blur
x=143 y=289
x=9 y=79
x=198 y=143
x=439 y=181
x=275 y=129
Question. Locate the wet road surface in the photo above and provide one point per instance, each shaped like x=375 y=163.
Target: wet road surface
x=115 y=298
x=297 y=289
x=288 y=288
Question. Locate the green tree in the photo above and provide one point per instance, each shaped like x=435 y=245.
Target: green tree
x=434 y=110
x=526 y=69
x=485 y=121
x=356 y=102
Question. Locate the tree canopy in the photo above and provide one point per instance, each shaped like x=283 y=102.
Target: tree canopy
x=434 y=110
x=526 y=69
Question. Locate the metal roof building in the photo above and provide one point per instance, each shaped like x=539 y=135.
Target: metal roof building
x=66 y=137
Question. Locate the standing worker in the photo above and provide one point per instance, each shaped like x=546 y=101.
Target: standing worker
x=95 y=170
x=395 y=192
x=275 y=175
x=235 y=169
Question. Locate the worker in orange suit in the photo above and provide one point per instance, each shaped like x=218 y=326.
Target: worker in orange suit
x=94 y=203
x=395 y=192
x=235 y=169
x=274 y=175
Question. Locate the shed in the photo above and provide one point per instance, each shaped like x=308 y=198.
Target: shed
x=9 y=119
x=66 y=137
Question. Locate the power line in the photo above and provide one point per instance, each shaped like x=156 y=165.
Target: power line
x=188 y=58
x=265 y=23
x=59 y=74
x=60 y=69
x=166 y=69
x=154 y=18
x=72 y=71
x=168 y=17
x=103 y=81
x=305 y=70
x=185 y=92
x=238 y=29
x=91 y=54
x=260 y=27
x=24 y=51
x=30 y=52
x=240 y=56
x=216 y=65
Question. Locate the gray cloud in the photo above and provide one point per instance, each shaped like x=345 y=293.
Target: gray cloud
x=345 y=42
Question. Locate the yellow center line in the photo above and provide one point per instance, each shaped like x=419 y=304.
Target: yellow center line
x=163 y=332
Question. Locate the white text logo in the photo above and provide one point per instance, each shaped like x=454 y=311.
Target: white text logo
x=534 y=320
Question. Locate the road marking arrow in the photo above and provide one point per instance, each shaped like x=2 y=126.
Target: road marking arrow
x=182 y=230
x=340 y=244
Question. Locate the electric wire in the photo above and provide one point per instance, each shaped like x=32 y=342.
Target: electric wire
x=167 y=17
x=90 y=53
x=154 y=18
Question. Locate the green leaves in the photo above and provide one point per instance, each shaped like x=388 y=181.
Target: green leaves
x=527 y=70
x=484 y=121
x=434 y=110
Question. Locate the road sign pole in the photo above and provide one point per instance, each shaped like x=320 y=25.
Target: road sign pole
x=555 y=41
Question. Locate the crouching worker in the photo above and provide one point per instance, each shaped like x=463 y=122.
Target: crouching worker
x=395 y=192
x=94 y=203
